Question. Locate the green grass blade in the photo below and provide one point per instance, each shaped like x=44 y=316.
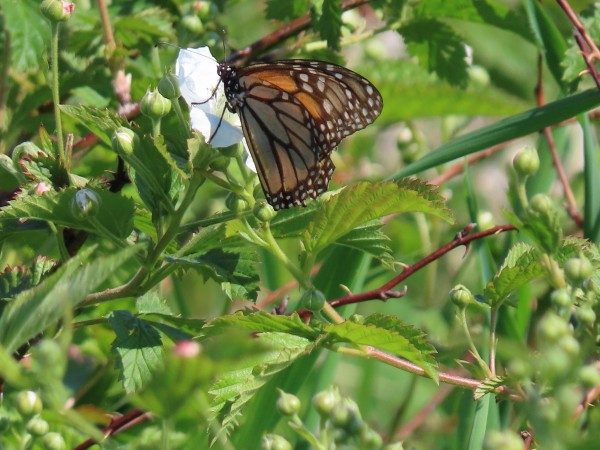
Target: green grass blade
x=591 y=224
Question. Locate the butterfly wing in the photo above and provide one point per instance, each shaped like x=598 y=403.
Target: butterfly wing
x=294 y=113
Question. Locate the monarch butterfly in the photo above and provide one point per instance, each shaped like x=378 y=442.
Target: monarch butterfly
x=293 y=114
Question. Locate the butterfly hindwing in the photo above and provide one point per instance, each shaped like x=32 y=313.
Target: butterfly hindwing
x=293 y=114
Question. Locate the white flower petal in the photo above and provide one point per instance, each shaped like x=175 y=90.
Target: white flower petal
x=226 y=135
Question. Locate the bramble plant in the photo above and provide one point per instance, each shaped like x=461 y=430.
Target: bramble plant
x=152 y=296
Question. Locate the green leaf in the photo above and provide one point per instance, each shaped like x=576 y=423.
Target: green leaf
x=329 y=23
x=34 y=310
x=235 y=270
x=235 y=388
x=438 y=48
x=149 y=25
x=29 y=34
x=44 y=168
x=115 y=213
x=286 y=9
x=488 y=386
x=363 y=202
x=390 y=334
x=14 y=280
x=369 y=238
x=520 y=267
x=292 y=222
x=101 y=122
x=505 y=130
x=137 y=347
x=260 y=322
x=152 y=303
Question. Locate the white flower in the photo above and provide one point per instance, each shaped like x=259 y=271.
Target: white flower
x=196 y=69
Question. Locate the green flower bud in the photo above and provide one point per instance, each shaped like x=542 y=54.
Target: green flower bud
x=288 y=404
x=556 y=363
x=578 y=269
x=275 y=442
x=526 y=162
x=518 y=369
x=485 y=220
x=585 y=315
x=232 y=151
x=206 y=9
x=461 y=296
x=57 y=10
x=552 y=327
x=28 y=403
x=541 y=203
x=263 y=211
x=86 y=204
x=124 y=141
x=325 y=401
x=568 y=399
x=4 y=424
x=313 y=300
x=369 y=438
x=236 y=203
x=505 y=440
x=155 y=105
x=54 y=441
x=589 y=376
x=346 y=415
x=561 y=298
x=37 y=426
x=168 y=86
x=569 y=345
x=192 y=23
x=478 y=76
x=220 y=163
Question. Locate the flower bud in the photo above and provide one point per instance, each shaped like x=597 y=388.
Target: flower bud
x=168 y=86
x=54 y=441
x=28 y=403
x=275 y=442
x=232 y=151
x=57 y=10
x=236 y=203
x=263 y=211
x=86 y=203
x=37 y=426
x=220 y=163
x=505 y=439
x=569 y=345
x=552 y=327
x=526 y=162
x=369 y=438
x=313 y=300
x=589 y=376
x=192 y=23
x=325 y=401
x=541 y=203
x=288 y=404
x=578 y=269
x=346 y=415
x=561 y=298
x=124 y=141
x=154 y=105
x=206 y=9
x=485 y=220
x=461 y=296
x=585 y=315
x=187 y=349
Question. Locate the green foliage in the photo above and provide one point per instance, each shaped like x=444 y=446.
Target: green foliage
x=142 y=272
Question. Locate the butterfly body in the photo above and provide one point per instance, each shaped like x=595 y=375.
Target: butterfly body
x=293 y=114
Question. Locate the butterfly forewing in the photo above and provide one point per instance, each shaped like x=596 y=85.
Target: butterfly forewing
x=293 y=114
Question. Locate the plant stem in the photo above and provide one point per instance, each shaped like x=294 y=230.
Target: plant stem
x=462 y=319
x=56 y=95
x=274 y=247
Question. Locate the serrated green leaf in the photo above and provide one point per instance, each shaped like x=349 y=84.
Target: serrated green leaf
x=101 y=122
x=149 y=25
x=292 y=222
x=438 y=48
x=544 y=228
x=29 y=33
x=191 y=328
x=32 y=311
x=235 y=388
x=390 y=334
x=14 y=280
x=138 y=349
x=235 y=269
x=329 y=23
x=152 y=303
x=520 y=267
x=260 y=322
x=370 y=239
x=213 y=236
x=44 y=168
x=364 y=202
x=115 y=213
x=488 y=386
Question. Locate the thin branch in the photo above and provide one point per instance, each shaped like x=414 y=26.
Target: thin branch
x=117 y=425
x=276 y=37
x=385 y=291
x=588 y=48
